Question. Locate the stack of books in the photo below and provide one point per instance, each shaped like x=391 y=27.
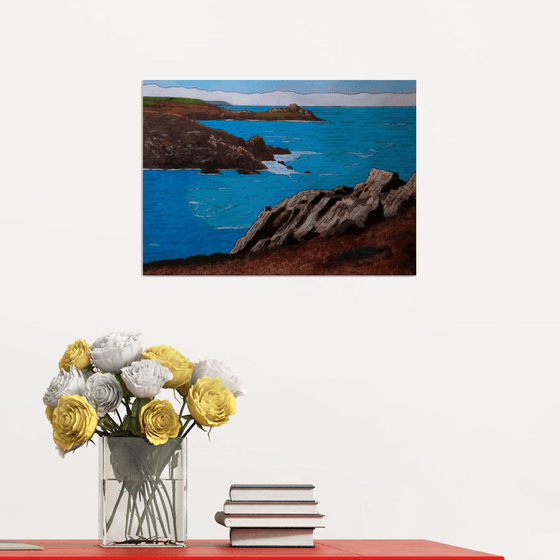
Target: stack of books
x=271 y=515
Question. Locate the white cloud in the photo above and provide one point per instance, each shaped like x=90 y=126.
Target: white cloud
x=284 y=98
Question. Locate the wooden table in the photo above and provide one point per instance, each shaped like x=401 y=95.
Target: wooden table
x=220 y=550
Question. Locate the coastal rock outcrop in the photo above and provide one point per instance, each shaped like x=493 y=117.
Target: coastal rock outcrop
x=257 y=146
x=176 y=142
x=204 y=111
x=326 y=213
x=291 y=112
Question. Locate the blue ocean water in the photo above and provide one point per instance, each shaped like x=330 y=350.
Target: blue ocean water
x=188 y=213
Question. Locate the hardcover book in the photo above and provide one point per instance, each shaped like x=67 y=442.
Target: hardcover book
x=277 y=537
x=272 y=521
x=271 y=492
x=260 y=508
x=12 y=545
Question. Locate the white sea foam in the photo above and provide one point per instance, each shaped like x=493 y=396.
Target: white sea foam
x=360 y=154
x=232 y=227
x=278 y=168
x=294 y=155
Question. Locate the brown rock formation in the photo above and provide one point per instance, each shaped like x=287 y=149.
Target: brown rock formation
x=327 y=213
x=176 y=142
x=205 y=111
x=289 y=113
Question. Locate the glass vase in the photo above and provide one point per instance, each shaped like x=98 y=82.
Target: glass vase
x=142 y=492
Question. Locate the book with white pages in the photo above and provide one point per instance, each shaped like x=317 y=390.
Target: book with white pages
x=13 y=545
x=259 y=508
x=271 y=492
x=275 y=521
x=276 y=537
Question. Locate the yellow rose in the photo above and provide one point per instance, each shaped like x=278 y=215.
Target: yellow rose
x=174 y=361
x=49 y=412
x=159 y=421
x=77 y=354
x=73 y=420
x=209 y=402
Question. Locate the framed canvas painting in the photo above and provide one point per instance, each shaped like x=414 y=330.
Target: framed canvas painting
x=279 y=177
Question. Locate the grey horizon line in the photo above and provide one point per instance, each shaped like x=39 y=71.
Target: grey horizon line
x=285 y=91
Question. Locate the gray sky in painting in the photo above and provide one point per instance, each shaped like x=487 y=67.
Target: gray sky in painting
x=296 y=86
x=283 y=97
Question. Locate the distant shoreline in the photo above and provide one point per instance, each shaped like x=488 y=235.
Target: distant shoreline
x=175 y=139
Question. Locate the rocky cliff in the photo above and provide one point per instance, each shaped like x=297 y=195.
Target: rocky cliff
x=388 y=248
x=206 y=111
x=177 y=142
x=327 y=213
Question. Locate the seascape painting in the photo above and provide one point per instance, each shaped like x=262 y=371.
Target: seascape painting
x=279 y=177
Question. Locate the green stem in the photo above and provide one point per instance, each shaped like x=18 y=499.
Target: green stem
x=144 y=515
x=172 y=504
x=155 y=502
x=140 y=530
x=126 y=529
x=110 y=522
x=158 y=482
x=134 y=497
x=148 y=510
x=152 y=508
x=183 y=406
x=190 y=428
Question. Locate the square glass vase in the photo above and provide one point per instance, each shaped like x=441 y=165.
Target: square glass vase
x=142 y=493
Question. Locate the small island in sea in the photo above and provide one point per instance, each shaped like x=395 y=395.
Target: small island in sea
x=292 y=214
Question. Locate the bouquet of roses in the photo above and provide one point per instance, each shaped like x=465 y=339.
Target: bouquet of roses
x=115 y=372
x=109 y=388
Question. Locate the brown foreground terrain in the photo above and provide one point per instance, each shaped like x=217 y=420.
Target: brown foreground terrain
x=387 y=248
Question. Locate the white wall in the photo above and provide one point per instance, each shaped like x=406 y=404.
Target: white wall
x=421 y=407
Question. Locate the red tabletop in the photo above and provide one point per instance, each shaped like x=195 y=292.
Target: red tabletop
x=208 y=550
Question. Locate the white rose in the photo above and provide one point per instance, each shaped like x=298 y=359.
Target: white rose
x=112 y=352
x=215 y=368
x=145 y=379
x=103 y=392
x=70 y=382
